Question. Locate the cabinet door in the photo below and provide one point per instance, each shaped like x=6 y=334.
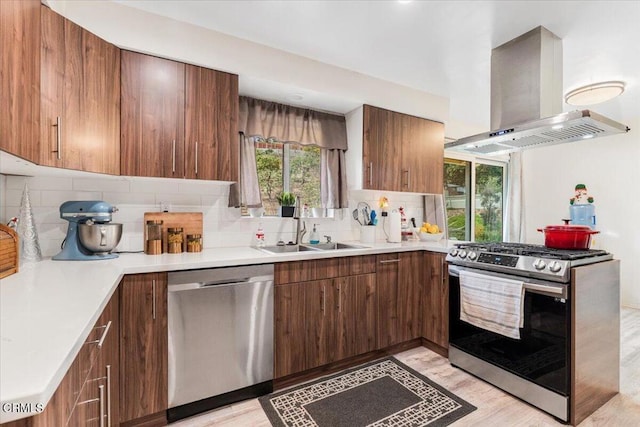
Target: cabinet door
x=435 y=302
x=211 y=122
x=143 y=345
x=19 y=78
x=108 y=363
x=289 y=336
x=321 y=306
x=80 y=105
x=387 y=296
x=356 y=315
x=409 y=295
x=424 y=156
x=152 y=116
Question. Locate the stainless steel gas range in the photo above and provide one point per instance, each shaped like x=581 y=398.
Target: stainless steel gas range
x=536 y=365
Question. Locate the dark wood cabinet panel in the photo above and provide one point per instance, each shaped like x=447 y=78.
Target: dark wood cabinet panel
x=19 y=78
x=401 y=152
x=152 y=116
x=211 y=122
x=321 y=302
x=80 y=98
x=435 y=301
x=143 y=345
x=409 y=293
x=289 y=336
x=356 y=315
x=304 y=271
x=355 y=265
x=387 y=300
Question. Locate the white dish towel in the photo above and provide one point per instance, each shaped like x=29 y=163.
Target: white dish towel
x=492 y=303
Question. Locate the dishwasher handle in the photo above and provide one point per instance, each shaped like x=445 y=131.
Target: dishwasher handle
x=218 y=283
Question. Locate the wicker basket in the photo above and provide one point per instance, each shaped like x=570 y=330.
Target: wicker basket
x=8 y=251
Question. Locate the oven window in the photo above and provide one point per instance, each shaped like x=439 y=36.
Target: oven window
x=540 y=355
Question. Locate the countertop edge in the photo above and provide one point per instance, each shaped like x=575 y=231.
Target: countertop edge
x=140 y=263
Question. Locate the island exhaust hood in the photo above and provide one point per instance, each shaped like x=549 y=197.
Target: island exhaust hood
x=526 y=101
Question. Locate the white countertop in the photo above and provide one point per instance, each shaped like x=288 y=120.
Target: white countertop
x=48 y=309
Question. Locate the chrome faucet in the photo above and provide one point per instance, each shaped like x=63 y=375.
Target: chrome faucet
x=296 y=216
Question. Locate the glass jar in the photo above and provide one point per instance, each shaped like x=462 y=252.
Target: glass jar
x=194 y=242
x=153 y=244
x=174 y=240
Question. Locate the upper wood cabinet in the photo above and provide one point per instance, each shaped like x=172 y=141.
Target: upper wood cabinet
x=178 y=120
x=19 y=78
x=402 y=152
x=80 y=98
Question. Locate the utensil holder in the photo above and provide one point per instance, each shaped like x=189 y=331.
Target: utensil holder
x=367 y=234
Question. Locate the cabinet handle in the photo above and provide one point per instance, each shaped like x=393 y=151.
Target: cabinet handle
x=323 y=300
x=387 y=261
x=371 y=173
x=104 y=335
x=339 y=298
x=153 y=306
x=173 y=157
x=108 y=395
x=101 y=390
x=409 y=178
x=196 y=157
x=58 y=149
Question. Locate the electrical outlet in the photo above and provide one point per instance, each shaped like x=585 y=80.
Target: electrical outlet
x=164 y=206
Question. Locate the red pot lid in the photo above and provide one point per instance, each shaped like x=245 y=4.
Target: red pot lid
x=567 y=228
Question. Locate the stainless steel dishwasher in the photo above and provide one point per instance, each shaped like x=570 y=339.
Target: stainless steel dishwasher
x=220 y=337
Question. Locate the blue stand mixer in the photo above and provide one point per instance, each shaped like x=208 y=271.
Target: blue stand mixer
x=91 y=235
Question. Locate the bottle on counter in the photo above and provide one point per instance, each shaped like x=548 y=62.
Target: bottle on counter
x=174 y=240
x=314 y=237
x=260 y=243
x=153 y=244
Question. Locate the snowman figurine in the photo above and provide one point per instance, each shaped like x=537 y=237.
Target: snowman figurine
x=581 y=196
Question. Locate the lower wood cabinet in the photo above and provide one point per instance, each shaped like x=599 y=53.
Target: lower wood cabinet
x=326 y=320
x=435 y=301
x=398 y=285
x=143 y=346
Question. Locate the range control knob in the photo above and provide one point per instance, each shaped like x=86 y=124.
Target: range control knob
x=453 y=252
x=539 y=264
x=462 y=254
x=472 y=256
x=555 y=266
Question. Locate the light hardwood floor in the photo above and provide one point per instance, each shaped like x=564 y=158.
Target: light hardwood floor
x=495 y=407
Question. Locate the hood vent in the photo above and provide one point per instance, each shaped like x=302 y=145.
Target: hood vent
x=526 y=101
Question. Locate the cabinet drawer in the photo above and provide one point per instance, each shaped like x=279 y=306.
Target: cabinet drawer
x=304 y=271
x=356 y=265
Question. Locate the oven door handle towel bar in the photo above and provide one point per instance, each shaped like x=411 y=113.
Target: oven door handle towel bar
x=492 y=303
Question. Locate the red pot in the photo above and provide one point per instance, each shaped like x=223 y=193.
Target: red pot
x=567 y=236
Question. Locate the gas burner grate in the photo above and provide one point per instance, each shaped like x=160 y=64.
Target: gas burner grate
x=539 y=251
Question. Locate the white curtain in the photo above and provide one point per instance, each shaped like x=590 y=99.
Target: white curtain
x=515 y=218
x=333 y=179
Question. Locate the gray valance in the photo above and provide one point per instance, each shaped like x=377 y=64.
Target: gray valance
x=285 y=123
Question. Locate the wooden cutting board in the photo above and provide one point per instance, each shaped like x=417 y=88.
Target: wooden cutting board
x=9 y=248
x=191 y=223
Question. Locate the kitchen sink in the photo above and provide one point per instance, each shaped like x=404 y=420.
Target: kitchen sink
x=278 y=249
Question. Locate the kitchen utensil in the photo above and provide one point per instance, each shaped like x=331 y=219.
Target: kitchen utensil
x=90 y=235
x=99 y=238
x=373 y=219
x=9 y=249
x=356 y=216
x=567 y=236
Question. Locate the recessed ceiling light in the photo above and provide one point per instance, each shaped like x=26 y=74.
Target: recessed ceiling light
x=594 y=93
x=404 y=1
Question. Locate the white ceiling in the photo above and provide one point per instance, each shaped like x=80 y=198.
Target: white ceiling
x=441 y=47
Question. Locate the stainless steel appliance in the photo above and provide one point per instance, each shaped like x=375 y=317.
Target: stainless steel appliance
x=91 y=235
x=220 y=337
x=536 y=367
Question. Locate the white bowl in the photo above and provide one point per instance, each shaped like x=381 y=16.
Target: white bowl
x=428 y=237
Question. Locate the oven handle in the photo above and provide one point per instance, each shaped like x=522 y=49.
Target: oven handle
x=555 y=290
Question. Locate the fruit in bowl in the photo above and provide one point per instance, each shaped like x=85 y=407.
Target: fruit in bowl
x=430 y=232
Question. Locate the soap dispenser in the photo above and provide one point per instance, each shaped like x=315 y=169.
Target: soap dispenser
x=314 y=238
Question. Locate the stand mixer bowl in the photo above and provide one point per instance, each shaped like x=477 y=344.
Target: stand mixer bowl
x=100 y=238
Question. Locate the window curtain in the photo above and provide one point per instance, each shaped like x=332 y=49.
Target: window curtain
x=515 y=218
x=247 y=191
x=271 y=121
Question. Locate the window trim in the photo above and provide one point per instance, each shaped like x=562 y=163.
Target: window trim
x=474 y=160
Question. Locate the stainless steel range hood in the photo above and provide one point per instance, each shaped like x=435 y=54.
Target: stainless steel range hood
x=526 y=101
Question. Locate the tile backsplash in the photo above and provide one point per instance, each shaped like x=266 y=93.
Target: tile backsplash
x=223 y=226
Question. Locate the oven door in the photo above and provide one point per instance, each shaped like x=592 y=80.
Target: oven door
x=541 y=355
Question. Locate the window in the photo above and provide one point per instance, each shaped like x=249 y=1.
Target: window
x=288 y=167
x=487 y=179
